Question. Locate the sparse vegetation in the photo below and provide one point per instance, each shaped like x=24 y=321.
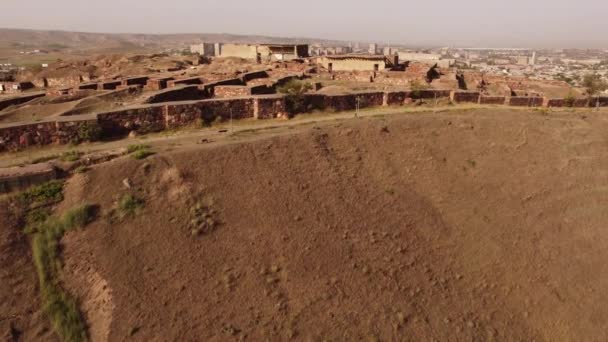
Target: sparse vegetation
x=47 y=193
x=569 y=99
x=139 y=151
x=417 y=87
x=61 y=309
x=81 y=169
x=129 y=205
x=89 y=132
x=203 y=220
x=594 y=84
x=44 y=159
x=71 y=156
x=295 y=91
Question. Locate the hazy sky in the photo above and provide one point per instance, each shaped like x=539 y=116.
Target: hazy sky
x=513 y=23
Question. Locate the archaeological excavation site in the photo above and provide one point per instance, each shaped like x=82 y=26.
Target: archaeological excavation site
x=219 y=187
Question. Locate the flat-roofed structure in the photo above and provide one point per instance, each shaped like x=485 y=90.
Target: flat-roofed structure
x=357 y=62
x=265 y=52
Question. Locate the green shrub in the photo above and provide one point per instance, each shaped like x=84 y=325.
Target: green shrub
x=128 y=205
x=50 y=192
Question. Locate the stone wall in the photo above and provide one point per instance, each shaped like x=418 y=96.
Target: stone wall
x=231 y=91
x=492 y=100
x=464 y=96
x=397 y=97
x=237 y=108
x=158 y=83
x=249 y=76
x=269 y=107
x=524 y=101
x=13 y=101
x=209 y=88
x=76 y=129
x=108 y=85
x=181 y=93
x=141 y=80
x=181 y=114
x=18 y=136
x=184 y=81
x=143 y=119
x=158 y=117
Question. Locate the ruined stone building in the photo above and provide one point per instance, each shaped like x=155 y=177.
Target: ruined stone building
x=204 y=49
x=358 y=62
x=265 y=52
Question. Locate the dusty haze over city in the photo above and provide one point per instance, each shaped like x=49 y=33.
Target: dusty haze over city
x=477 y=23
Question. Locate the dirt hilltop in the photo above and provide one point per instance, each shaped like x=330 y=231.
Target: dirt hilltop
x=450 y=227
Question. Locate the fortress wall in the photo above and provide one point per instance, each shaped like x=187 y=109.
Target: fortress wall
x=158 y=117
x=494 y=100
x=464 y=96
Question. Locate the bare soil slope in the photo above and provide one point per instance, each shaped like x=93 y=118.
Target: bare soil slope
x=443 y=227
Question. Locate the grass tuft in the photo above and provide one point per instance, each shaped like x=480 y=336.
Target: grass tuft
x=61 y=309
x=70 y=156
x=128 y=205
x=139 y=151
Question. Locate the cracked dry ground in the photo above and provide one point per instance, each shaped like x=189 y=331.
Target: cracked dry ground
x=464 y=226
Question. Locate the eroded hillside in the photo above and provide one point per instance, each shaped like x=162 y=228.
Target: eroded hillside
x=407 y=227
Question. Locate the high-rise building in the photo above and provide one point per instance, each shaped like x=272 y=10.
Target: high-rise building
x=533 y=59
x=373 y=49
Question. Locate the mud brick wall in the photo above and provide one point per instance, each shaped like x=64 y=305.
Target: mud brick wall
x=182 y=114
x=19 y=136
x=184 y=81
x=523 y=101
x=19 y=100
x=464 y=96
x=241 y=108
x=397 y=97
x=183 y=93
x=158 y=83
x=142 y=119
x=231 y=91
x=497 y=100
x=269 y=107
x=109 y=85
x=73 y=130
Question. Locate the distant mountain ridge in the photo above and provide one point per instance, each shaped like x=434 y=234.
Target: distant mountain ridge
x=85 y=40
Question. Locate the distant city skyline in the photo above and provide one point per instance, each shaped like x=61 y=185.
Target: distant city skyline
x=466 y=23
